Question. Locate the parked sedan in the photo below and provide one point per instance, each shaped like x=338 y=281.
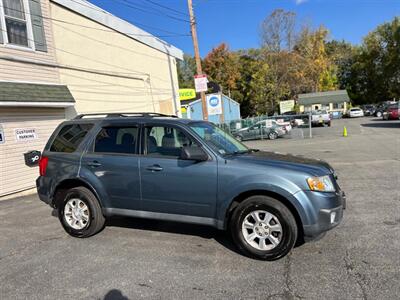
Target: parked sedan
x=356 y=112
x=277 y=123
x=259 y=131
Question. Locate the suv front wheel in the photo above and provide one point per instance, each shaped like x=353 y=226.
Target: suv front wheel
x=80 y=213
x=264 y=228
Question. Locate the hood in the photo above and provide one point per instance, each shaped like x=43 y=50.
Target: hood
x=315 y=167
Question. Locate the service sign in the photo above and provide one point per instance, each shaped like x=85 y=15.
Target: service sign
x=200 y=83
x=187 y=94
x=214 y=105
x=25 y=134
x=285 y=106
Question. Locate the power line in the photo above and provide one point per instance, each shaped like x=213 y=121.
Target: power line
x=168 y=8
x=145 y=10
x=90 y=59
x=108 y=44
x=171 y=34
x=94 y=60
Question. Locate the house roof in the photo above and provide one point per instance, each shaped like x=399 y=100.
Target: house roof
x=21 y=92
x=97 y=14
x=338 y=96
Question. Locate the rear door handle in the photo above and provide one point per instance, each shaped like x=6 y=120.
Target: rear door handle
x=94 y=164
x=154 y=168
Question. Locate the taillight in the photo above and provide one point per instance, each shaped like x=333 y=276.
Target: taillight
x=43 y=165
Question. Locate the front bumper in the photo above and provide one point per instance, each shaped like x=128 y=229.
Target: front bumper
x=327 y=213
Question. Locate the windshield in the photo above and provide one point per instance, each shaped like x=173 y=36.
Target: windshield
x=218 y=139
x=319 y=112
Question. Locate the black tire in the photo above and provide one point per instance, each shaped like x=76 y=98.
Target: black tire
x=272 y=135
x=329 y=124
x=280 y=211
x=96 y=219
x=239 y=138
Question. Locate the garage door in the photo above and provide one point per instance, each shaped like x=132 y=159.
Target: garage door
x=24 y=129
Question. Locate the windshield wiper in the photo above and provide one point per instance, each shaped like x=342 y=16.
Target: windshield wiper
x=243 y=151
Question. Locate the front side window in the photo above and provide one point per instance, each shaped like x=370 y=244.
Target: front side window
x=70 y=137
x=166 y=141
x=121 y=140
x=16 y=26
x=219 y=140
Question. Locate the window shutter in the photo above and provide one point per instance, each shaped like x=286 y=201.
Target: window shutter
x=1 y=32
x=37 y=25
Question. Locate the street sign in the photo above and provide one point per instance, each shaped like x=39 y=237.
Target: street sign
x=200 y=83
x=214 y=104
x=187 y=94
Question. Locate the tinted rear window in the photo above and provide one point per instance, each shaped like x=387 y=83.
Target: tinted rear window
x=117 y=140
x=70 y=137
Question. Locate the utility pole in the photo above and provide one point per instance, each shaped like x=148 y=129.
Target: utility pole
x=197 y=56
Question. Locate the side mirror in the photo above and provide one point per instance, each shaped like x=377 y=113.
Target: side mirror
x=193 y=153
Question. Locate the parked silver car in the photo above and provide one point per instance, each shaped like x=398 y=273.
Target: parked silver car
x=260 y=130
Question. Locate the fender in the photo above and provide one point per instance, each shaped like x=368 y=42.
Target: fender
x=275 y=184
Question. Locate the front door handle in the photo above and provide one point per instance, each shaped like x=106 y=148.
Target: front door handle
x=154 y=168
x=94 y=164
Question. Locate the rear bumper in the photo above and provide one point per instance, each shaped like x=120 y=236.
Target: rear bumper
x=42 y=190
x=326 y=213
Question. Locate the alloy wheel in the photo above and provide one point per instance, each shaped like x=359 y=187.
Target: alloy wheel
x=262 y=230
x=76 y=214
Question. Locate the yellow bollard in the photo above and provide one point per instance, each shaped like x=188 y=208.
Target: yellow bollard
x=344 y=131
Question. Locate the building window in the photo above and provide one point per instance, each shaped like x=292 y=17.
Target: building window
x=16 y=20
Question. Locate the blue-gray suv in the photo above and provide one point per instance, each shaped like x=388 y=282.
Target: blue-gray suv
x=154 y=166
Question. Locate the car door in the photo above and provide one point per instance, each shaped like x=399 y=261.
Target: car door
x=113 y=160
x=171 y=185
x=253 y=132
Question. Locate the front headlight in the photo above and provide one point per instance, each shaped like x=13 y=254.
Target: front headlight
x=321 y=184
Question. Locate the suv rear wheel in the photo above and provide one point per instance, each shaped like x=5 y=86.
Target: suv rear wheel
x=264 y=228
x=80 y=213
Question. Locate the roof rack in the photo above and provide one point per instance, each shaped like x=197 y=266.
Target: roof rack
x=125 y=115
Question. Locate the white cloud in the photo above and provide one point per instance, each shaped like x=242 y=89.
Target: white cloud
x=300 y=1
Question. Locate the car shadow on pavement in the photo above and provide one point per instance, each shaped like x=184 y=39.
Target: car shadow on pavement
x=387 y=124
x=115 y=294
x=221 y=237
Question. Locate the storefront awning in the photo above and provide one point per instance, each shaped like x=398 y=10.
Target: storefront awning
x=14 y=94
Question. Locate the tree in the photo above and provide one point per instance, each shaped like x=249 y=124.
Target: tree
x=375 y=73
x=221 y=66
x=186 y=71
x=341 y=55
x=278 y=31
x=319 y=69
x=263 y=84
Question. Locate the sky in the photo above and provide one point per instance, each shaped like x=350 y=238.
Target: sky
x=237 y=22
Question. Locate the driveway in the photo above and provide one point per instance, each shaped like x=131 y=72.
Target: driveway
x=135 y=258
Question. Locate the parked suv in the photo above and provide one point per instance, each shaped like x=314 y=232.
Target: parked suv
x=159 y=167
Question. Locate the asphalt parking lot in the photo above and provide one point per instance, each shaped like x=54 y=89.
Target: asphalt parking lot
x=135 y=258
